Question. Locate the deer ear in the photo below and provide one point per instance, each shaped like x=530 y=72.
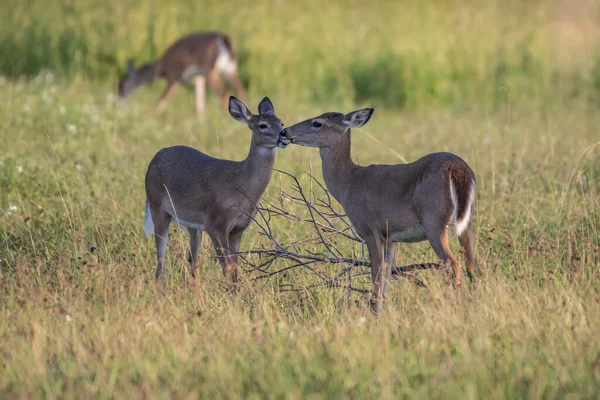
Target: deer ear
x=239 y=111
x=265 y=106
x=130 y=66
x=358 y=118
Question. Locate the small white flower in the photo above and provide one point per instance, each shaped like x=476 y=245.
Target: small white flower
x=362 y=321
x=292 y=335
x=12 y=207
x=148 y=324
x=68 y=318
x=78 y=167
x=62 y=109
x=72 y=128
x=19 y=169
x=317 y=329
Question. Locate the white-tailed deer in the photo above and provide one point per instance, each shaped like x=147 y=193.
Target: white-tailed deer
x=203 y=193
x=200 y=56
x=393 y=203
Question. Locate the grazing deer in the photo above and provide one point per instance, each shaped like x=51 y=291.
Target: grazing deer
x=201 y=56
x=218 y=196
x=392 y=203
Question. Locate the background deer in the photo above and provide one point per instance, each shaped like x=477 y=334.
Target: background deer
x=200 y=56
x=393 y=203
x=218 y=196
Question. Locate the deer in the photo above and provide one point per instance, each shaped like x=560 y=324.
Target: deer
x=199 y=57
x=390 y=204
x=212 y=195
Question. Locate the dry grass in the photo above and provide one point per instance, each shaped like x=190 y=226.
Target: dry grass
x=78 y=323
x=80 y=313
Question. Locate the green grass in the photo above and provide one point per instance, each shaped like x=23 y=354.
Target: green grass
x=81 y=315
x=77 y=323
x=411 y=54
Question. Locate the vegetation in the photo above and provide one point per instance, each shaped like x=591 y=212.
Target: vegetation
x=509 y=86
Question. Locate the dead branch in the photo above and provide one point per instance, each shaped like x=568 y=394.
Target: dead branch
x=327 y=225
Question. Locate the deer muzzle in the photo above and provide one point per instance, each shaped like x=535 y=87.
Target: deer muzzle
x=284 y=140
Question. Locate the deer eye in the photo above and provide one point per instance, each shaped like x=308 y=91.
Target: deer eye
x=262 y=126
x=317 y=124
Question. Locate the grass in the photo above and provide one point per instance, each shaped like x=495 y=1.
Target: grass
x=80 y=313
x=410 y=54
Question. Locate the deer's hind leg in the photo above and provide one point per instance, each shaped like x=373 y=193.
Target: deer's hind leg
x=233 y=78
x=216 y=84
x=438 y=238
x=436 y=225
x=161 y=221
x=466 y=242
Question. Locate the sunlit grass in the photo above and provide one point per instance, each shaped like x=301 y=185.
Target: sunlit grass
x=411 y=54
x=509 y=86
x=81 y=315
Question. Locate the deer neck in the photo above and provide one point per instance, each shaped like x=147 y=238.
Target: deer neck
x=337 y=165
x=257 y=169
x=147 y=73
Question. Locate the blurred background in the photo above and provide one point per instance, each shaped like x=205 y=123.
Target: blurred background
x=399 y=54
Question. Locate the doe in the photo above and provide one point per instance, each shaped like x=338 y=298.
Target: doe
x=393 y=203
x=200 y=56
x=209 y=194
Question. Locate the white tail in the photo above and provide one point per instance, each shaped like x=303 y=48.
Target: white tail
x=462 y=221
x=148 y=224
x=392 y=203
x=203 y=57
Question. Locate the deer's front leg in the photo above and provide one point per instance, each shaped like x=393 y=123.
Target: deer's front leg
x=227 y=257
x=232 y=261
x=380 y=270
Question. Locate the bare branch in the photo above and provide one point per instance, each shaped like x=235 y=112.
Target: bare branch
x=327 y=226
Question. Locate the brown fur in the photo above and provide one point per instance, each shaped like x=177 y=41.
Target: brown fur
x=200 y=50
x=389 y=202
x=210 y=194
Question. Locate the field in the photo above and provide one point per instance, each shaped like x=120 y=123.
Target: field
x=514 y=92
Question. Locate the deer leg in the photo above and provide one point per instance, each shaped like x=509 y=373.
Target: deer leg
x=216 y=83
x=378 y=271
x=390 y=256
x=438 y=237
x=234 y=80
x=165 y=96
x=219 y=249
x=161 y=221
x=232 y=262
x=466 y=242
x=200 y=84
x=195 y=240
x=224 y=255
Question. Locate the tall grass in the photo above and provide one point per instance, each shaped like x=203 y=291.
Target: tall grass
x=80 y=314
x=509 y=86
x=397 y=53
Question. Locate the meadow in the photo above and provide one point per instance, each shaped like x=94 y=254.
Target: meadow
x=511 y=87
